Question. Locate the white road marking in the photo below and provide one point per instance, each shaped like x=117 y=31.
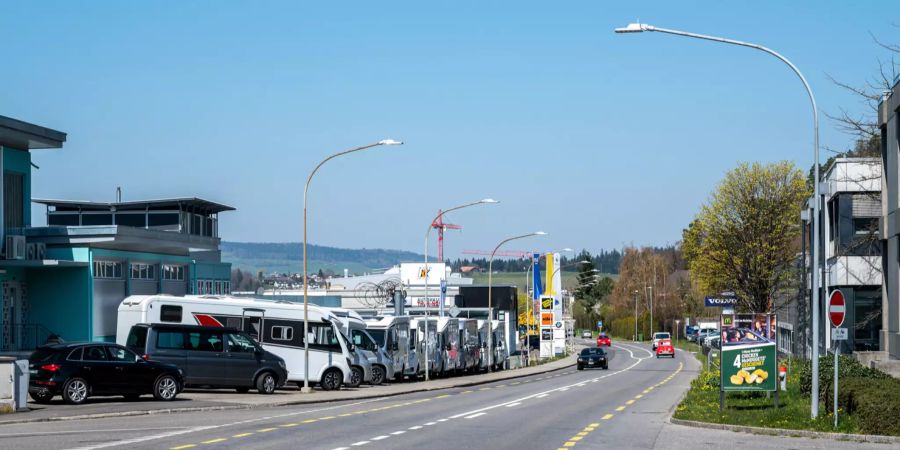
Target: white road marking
x=357 y=444
x=417 y=427
x=541 y=395
x=430 y=424
x=378 y=438
x=443 y=420
x=476 y=415
x=513 y=404
x=397 y=433
x=342 y=448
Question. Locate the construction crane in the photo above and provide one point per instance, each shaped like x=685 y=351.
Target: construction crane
x=441 y=226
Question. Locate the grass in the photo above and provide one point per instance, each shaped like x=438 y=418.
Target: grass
x=754 y=408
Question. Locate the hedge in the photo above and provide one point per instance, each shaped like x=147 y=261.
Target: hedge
x=848 y=367
x=875 y=403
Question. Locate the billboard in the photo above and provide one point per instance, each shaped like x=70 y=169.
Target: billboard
x=413 y=274
x=546 y=342
x=748 y=357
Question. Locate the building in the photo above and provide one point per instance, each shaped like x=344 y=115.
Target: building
x=69 y=277
x=889 y=122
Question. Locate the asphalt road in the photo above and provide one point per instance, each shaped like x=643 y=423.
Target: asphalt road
x=625 y=406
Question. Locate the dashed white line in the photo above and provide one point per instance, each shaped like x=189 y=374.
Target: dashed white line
x=417 y=427
x=443 y=420
x=476 y=415
x=397 y=433
x=357 y=444
x=541 y=395
x=378 y=438
x=513 y=404
x=430 y=424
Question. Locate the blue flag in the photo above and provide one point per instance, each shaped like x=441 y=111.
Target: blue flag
x=537 y=277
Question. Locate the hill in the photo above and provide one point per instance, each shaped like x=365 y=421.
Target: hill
x=288 y=257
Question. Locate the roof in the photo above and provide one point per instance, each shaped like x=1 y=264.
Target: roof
x=163 y=203
x=26 y=136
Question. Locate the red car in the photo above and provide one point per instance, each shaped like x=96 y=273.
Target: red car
x=665 y=348
x=604 y=340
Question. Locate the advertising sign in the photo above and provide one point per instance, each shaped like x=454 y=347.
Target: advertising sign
x=413 y=274
x=546 y=319
x=546 y=303
x=536 y=277
x=720 y=302
x=546 y=342
x=749 y=357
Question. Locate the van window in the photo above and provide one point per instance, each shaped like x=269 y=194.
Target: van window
x=282 y=333
x=170 y=313
x=238 y=343
x=137 y=337
x=412 y=339
x=206 y=341
x=323 y=337
x=170 y=340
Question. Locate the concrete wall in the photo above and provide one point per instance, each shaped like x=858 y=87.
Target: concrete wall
x=890 y=228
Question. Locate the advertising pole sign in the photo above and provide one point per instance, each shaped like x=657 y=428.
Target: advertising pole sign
x=748 y=352
x=546 y=342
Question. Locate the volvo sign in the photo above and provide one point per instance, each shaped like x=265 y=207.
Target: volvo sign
x=720 y=302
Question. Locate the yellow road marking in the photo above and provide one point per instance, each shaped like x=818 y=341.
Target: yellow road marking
x=575 y=438
x=639 y=396
x=621 y=408
x=569 y=444
x=183 y=446
x=629 y=402
x=311 y=420
x=500 y=385
x=213 y=441
x=485 y=389
x=443 y=396
x=646 y=391
x=242 y=435
x=288 y=425
x=265 y=430
x=326 y=418
x=595 y=424
x=466 y=392
x=607 y=417
x=345 y=415
x=583 y=433
x=517 y=382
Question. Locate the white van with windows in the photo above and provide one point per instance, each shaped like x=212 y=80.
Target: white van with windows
x=277 y=326
x=380 y=367
x=392 y=335
x=432 y=353
x=448 y=342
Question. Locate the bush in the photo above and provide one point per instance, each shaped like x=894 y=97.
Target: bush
x=875 y=403
x=848 y=367
x=708 y=380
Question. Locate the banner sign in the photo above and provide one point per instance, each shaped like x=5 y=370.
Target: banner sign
x=749 y=357
x=720 y=302
x=536 y=277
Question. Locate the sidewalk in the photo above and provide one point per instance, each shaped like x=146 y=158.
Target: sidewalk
x=211 y=400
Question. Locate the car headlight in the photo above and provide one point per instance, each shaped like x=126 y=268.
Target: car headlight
x=580 y=360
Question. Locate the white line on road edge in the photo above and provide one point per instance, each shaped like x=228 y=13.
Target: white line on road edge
x=476 y=415
x=513 y=404
x=357 y=444
x=397 y=433
x=378 y=438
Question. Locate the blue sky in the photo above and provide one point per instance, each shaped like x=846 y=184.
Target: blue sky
x=601 y=140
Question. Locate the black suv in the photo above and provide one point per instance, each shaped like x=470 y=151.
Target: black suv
x=210 y=356
x=592 y=357
x=80 y=370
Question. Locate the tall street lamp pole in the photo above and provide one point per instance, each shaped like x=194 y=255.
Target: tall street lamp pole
x=817 y=246
x=427 y=308
x=305 y=271
x=635 y=315
x=490 y=342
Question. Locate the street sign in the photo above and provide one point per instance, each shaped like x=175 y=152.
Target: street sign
x=454 y=311
x=836 y=308
x=599 y=324
x=839 y=334
x=719 y=302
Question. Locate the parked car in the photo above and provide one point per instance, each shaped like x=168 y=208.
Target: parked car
x=660 y=335
x=210 y=356
x=77 y=371
x=592 y=357
x=603 y=339
x=587 y=334
x=664 y=348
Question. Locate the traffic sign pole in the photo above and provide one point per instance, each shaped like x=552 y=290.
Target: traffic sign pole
x=837 y=309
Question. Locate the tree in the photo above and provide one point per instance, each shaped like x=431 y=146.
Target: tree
x=745 y=238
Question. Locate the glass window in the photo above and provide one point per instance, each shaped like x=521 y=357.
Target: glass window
x=322 y=336
x=137 y=337
x=14 y=200
x=206 y=341
x=142 y=271
x=107 y=269
x=170 y=313
x=173 y=272
x=163 y=219
x=75 y=355
x=120 y=354
x=170 y=340
x=378 y=335
x=238 y=343
x=137 y=220
x=70 y=219
x=95 y=353
x=282 y=333
x=96 y=219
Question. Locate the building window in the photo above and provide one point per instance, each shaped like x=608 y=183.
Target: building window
x=218 y=288
x=131 y=219
x=170 y=313
x=63 y=219
x=863 y=226
x=96 y=219
x=13 y=200
x=281 y=333
x=107 y=269
x=141 y=271
x=173 y=272
x=227 y=287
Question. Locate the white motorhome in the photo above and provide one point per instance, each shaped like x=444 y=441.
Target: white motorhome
x=362 y=351
x=417 y=335
x=277 y=326
x=448 y=342
x=392 y=335
x=469 y=347
x=501 y=350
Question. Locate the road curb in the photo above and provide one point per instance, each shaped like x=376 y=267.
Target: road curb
x=464 y=383
x=873 y=438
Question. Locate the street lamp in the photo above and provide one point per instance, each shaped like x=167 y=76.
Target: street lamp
x=529 y=314
x=817 y=246
x=305 y=272
x=635 y=315
x=427 y=233
x=490 y=281
x=651 y=307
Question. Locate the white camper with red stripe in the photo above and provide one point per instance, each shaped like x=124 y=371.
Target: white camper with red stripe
x=277 y=326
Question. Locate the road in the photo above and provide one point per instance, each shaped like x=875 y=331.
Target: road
x=625 y=406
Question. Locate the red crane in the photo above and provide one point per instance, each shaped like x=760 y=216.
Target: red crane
x=441 y=226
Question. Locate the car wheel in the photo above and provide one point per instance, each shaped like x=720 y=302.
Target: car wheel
x=356 y=376
x=242 y=389
x=41 y=397
x=75 y=391
x=266 y=383
x=165 y=388
x=132 y=397
x=377 y=375
x=331 y=380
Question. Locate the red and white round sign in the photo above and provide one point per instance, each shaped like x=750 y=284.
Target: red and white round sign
x=837 y=308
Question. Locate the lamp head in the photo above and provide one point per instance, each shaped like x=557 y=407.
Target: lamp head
x=635 y=27
x=539 y=233
x=389 y=142
x=488 y=200
x=567 y=249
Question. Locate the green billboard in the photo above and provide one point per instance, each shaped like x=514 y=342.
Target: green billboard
x=749 y=357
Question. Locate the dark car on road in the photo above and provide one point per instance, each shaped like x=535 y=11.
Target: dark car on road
x=81 y=370
x=210 y=356
x=592 y=357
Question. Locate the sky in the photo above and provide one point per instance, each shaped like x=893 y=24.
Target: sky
x=601 y=140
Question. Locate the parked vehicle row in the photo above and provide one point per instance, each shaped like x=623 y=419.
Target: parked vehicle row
x=243 y=344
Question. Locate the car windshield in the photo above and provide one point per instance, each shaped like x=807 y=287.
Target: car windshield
x=592 y=352
x=378 y=335
x=602 y=336
x=661 y=336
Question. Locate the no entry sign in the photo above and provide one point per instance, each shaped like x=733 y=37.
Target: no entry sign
x=837 y=308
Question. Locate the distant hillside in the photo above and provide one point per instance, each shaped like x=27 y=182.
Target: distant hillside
x=288 y=257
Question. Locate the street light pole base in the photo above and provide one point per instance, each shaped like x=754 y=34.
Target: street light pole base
x=306 y=390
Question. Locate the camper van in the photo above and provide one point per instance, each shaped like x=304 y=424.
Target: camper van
x=432 y=353
x=392 y=335
x=484 y=328
x=448 y=342
x=500 y=351
x=361 y=366
x=469 y=347
x=277 y=326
